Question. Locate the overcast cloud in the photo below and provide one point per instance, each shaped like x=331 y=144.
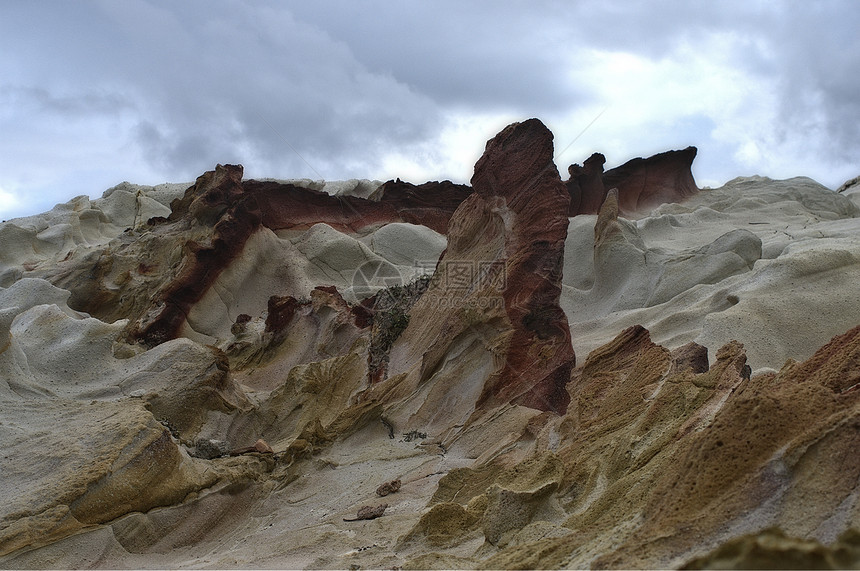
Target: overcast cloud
x=94 y=93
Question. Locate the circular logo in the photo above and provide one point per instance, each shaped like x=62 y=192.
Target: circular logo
x=374 y=275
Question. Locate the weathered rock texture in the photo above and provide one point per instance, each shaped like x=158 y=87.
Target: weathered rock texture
x=414 y=342
x=235 y=210
x=496 y=288
x=771 y=549
x=517 y=183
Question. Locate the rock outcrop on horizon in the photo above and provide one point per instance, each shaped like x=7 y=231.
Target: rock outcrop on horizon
x=619 y=371
x=229 y=212
x=643 y=184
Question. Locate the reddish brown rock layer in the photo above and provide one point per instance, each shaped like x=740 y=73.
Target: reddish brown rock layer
x=517 y=171
x=235 y=209
x=284 y=206
x=642 y=183
x=430 y=204
x=586 y=185
x=646 y=183
x=494 y=295
x=218 y=199
x=281 y=310
x=287 y=206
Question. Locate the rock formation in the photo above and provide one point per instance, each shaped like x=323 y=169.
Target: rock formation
x=518 y=183
x=388 y=488
x=222 y=374
x=496 y=288
x=771 y=549
x=235 y=211
x=642 y=184
x=430 y=204
x=368 y=512
x=851 y=190
x=585 y=186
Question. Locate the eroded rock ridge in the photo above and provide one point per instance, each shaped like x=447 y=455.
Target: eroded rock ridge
x=234 y=373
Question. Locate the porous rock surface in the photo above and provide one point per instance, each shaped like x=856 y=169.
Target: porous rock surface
x=335 y=336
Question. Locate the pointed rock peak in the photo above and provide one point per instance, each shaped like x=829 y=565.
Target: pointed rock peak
x=514 y=160
x=212 y=193
x=631 y=341
x=586 y=185
x=505 y=255
x=607 y=217
x=594 y=163
x=517 y=165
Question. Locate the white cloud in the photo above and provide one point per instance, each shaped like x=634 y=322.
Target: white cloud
x=698 y=92
x=8 y=201
x=655 y=93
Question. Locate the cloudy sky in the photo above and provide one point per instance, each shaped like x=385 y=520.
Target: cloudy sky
x=96 y=92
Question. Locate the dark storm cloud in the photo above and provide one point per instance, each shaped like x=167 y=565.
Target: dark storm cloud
x=505 y=56
x=219 y=83
x=820 y=61
x=259 y=85
x=40 y=101
x=528 y=58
